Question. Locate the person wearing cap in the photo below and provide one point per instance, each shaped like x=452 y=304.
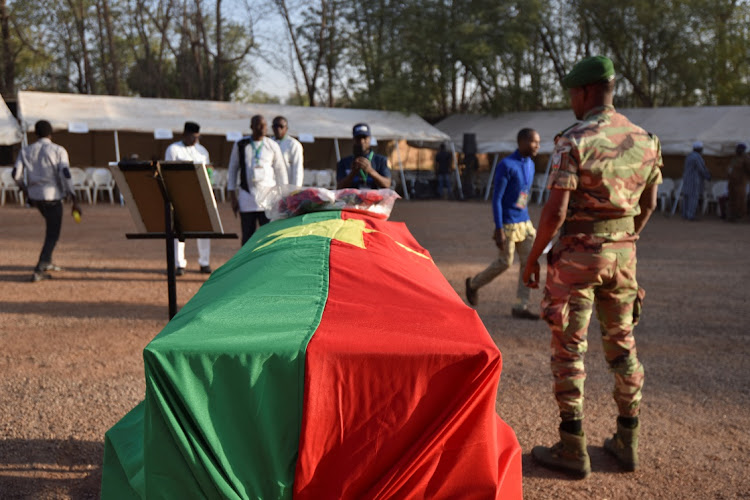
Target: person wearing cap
x=738 y=175
x=513 y=230
x=291 y=150
x=603 y=189
x=364 y=168
x=692 y=181
x=257 y=162
x=189 y=149
x=42 y=171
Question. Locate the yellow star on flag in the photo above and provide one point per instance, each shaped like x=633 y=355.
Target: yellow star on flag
x=349 y=231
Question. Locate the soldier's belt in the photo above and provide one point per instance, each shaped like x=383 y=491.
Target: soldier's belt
x=624 y=224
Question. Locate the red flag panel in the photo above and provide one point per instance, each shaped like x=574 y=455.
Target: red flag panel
x=400 y=383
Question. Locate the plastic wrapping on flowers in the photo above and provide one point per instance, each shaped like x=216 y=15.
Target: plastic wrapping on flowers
x=286 y=201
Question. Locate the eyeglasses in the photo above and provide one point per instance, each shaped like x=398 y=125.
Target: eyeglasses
x=278 y=125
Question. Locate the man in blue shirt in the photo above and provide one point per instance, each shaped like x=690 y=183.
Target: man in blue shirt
x=364 y=169
x=513 y=228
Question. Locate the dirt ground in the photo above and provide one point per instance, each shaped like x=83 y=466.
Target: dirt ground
x=71 y=361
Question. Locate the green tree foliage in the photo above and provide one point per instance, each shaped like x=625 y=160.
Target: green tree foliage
x=152 y=48
x=432 y=57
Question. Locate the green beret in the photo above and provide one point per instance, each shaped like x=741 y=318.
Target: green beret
x=589 y=70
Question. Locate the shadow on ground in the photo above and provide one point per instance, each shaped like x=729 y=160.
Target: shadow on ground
x=81 y=309
x=601 y=462
x=22 y=274
x=53 y=468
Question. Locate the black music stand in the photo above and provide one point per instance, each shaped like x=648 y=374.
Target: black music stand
x=169 y=200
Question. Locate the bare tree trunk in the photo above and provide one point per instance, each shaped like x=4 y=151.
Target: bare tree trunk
x=218 y=61
x=329 y=71
x=79 y=14
x=114 y=59
x=552 y=52
x=330 y=52
x=104 y=65
x=208 y=89
x=8 y=62
x=310 y=80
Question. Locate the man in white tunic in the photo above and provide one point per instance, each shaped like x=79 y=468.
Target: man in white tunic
x=190 y=149
x=255 y=165
x=291 y=149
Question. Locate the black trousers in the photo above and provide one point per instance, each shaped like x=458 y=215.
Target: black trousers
x=52 y=211
x=250 y=221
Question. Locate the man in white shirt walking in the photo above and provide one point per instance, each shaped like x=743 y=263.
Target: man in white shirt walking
x=189 y=149
x=258 y=164
x=48 y=182
x=291 y=149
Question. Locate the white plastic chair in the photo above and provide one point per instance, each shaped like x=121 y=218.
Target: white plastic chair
x=713 y=192
x=219 y=183
x=324 y=178
x=103 y=181
x=664 y=193
x=8 y=185
x=80 y=183
x=308 y=178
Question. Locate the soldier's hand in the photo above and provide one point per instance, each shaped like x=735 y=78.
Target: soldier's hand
x=531 y=274
x=499 y=237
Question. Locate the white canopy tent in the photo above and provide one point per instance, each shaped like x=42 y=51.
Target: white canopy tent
x=138 y=114
x=719 y=128
x=10 y=131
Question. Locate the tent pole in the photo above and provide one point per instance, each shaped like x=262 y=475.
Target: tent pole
x=336 y=147
x=401 y=169
x=491 y=180
x=455 y=169
x=117 y=147
x=117 y=156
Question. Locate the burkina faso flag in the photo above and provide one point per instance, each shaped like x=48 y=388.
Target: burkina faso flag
x=328 y=359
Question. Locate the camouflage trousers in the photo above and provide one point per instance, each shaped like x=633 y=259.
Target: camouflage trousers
x=579 y=276
x=519 y=236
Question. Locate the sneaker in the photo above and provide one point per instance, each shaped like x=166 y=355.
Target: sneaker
x=524 y=314
x=179 y=271
x=472 y=294
x=39 y=276
x=206 y=269
x=51 y=267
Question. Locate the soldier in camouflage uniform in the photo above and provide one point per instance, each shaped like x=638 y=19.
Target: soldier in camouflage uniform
x=603 y=187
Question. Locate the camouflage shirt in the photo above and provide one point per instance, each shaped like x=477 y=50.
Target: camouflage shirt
x=606 y=162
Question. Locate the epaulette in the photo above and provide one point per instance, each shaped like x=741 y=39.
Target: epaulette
x=564 y=131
